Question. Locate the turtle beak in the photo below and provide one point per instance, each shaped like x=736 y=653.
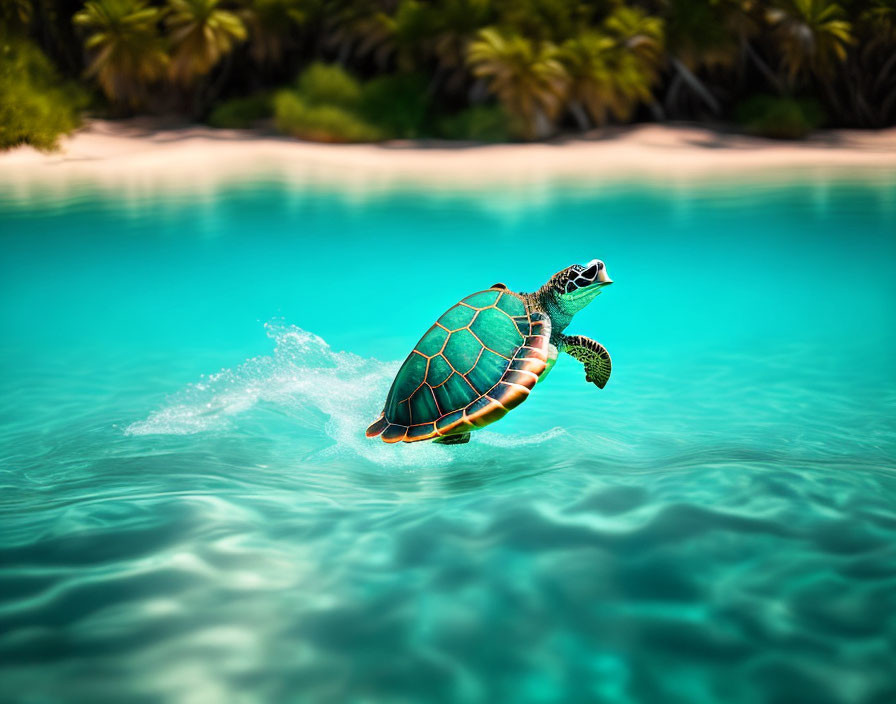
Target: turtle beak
x=589 y=281
x=601 y=278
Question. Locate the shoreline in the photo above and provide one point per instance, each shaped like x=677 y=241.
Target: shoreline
x=144 y=154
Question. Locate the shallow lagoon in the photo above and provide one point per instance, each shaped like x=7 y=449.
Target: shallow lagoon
x=190 y=510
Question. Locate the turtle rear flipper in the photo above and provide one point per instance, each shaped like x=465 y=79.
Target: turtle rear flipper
x=593 y=355
x=459 y=439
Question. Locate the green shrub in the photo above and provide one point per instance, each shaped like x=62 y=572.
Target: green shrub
x=779 y=117
x=480 y=123
x=36 y=107
x=328 y=84
x=241 y=113
x=396 y=104
x=320 y=123
x=330 y=105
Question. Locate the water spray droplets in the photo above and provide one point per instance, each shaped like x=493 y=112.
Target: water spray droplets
x=334 y=394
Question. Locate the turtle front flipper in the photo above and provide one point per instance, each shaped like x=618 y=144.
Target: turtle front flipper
x=593 y=355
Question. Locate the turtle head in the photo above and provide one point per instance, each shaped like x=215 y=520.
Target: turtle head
x=576 y=286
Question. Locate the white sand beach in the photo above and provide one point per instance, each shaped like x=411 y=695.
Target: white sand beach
x=140 y=153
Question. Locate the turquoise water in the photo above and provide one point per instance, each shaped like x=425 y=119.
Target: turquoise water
x=191 y=513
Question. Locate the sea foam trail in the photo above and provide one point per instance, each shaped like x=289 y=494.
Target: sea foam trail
x=336 y=393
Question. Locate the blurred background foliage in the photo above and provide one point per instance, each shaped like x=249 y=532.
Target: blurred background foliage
x=484 y=70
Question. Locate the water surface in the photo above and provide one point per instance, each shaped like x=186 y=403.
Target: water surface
x=191 y=513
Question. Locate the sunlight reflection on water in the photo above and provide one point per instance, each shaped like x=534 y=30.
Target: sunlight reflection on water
x=191 y=512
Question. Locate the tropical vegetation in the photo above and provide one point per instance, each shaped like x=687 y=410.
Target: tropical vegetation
x=36 y=106
x=490 y=70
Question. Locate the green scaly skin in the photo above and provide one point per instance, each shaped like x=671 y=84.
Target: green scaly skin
x=560 y=306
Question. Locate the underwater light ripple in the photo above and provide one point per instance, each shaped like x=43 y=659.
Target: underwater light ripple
x=717 y=524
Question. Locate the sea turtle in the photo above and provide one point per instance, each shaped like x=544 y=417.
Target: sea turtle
x=484 y=355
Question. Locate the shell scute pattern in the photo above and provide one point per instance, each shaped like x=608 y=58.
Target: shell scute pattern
x=403 y=413
x=407 y=379
x=457 y=317
x=481 y=300
x=439 y=371
x=455 y=393
x=423 y=404
x=462 y=350
x=433 y=341
x=420 y=432
x=450 y=420
x=477 y=362
x=497 y=331
x=512 y=305
x=489 y=367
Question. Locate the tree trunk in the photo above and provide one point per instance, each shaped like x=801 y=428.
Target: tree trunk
x=543 y=126
x=697 y=86
x=205 y=98
x=672 y=93
x=345 y=51
x=478 y=91
x=764 y=69
x=581 y=117
x=434 y=83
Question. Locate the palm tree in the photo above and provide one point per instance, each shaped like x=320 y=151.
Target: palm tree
x=550 y=20
x=417 y=32
x=869 y=80
x=612 y=71
x=642 y=34
x=811 y=35
x=883 y=13
x=456 y=23
x=744 y=20
x=526 y=76
x=357 y=28
x=16 y=15
x=201 y=35
x=128 y=53
x=403 y=35
x=697 y=39
x=270 y=23
x=592 y=80
x=643 y=38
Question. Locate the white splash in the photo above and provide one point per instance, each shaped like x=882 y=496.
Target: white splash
x=499 y=440
x=338 y=393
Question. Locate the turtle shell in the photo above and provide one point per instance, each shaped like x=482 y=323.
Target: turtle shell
x=478 y=361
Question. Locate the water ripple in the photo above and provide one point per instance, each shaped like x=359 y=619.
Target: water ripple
x=717 y=525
